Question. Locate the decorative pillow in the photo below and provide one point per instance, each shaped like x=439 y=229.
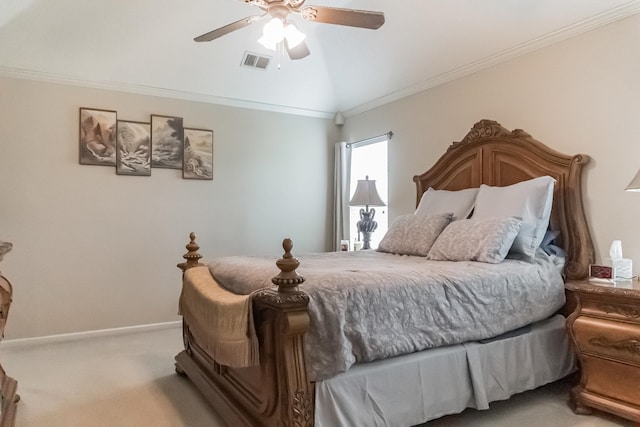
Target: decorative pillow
x=460 y=203
x=530 y=200
x=412 y=235
x=484 y=240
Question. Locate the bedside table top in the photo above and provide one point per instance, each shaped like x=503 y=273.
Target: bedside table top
x=624 y=288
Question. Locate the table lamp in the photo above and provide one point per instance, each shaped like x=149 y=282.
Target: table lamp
x=366 y=195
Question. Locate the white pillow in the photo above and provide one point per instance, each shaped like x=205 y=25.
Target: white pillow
x=484 y=240
x=530 y=200
x=460 y=202
x=411 y=235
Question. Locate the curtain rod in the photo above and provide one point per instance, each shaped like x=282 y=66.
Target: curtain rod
x=371 y=140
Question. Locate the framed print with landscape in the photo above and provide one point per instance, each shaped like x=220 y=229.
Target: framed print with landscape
x=133 y=148
x=198 y=154
x=97 y=137
x=167 y=142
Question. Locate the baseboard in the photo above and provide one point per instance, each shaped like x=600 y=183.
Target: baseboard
x=76 y=336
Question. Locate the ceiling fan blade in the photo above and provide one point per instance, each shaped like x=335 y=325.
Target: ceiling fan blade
x=298 y=52
x=219 y=32
x=349 y=17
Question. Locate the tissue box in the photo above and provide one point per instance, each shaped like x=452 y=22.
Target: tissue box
x=623 y=268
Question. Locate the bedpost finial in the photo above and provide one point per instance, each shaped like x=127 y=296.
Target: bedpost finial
x=288 y=279
x=192 y=256
x=287 y=245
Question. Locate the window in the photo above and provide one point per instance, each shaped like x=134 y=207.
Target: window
x=369 y=158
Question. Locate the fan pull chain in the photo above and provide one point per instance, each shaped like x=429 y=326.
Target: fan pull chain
x=279 y=55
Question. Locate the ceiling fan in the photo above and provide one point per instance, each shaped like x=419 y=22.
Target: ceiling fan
x=279 y=30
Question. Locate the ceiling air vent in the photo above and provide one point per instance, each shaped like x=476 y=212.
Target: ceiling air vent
x=253 y=60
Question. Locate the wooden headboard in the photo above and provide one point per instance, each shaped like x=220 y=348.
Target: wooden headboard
x=490 y=154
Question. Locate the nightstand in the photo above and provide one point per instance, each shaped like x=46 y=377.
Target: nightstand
x=605 y=330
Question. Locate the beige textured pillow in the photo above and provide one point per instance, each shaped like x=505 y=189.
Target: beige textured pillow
x=413 y=235
x=484 y=240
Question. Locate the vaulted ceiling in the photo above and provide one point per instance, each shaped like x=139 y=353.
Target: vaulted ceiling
x=146 y=46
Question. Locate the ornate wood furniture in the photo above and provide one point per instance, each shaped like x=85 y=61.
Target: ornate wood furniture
x=8 y=385
x=605 y=329
x=278 y=392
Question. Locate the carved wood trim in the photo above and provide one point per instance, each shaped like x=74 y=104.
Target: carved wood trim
x=629 y=312
x=629 y=295
x=302 y=409
x=631 y=345
x=488 y=129
x=283 y=301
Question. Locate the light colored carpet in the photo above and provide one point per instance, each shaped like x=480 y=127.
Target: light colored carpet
x=129 y=380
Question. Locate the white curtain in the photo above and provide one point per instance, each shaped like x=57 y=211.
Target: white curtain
x=341 y=193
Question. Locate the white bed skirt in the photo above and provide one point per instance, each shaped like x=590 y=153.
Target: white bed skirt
x=415 y=388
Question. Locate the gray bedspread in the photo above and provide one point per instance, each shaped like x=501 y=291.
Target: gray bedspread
x=368 y=305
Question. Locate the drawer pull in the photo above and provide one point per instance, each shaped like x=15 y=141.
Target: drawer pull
x=632 y=345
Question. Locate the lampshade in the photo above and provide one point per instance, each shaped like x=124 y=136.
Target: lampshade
x=293 y=35
x=634 y=185
x=366 y=194
x=272 y=33
x=275 y=31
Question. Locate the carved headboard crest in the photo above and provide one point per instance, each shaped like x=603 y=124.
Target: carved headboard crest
x=487 y=129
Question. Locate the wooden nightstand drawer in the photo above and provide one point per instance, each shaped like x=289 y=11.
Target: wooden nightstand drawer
x=603 y=373
x=617 y=340
x=611 y=310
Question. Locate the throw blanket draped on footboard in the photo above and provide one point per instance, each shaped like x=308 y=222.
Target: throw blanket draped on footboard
x=221 y=321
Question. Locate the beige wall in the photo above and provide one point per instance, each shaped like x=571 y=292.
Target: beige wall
x=94 y=250
x=578 y=96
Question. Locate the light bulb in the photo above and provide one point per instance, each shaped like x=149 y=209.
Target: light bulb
x=272 y=33
x=267 y=42
x=293 y=35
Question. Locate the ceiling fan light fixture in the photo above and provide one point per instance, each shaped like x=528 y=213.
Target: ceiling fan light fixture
x=275 y=31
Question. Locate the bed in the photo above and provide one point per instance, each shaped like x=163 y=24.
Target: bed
x=281 y=385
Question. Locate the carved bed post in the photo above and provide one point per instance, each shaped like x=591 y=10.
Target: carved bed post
x=289 y=304
x=192 y=256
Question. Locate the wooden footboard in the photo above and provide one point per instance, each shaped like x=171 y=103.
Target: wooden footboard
x=276 y=393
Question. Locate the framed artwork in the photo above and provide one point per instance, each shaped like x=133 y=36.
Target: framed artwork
x=133 y=148
x=97 y=137
x=198 y=154
x=167 y=142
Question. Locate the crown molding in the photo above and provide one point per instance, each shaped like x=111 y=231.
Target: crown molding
x=160 y=92
x=597 y=21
